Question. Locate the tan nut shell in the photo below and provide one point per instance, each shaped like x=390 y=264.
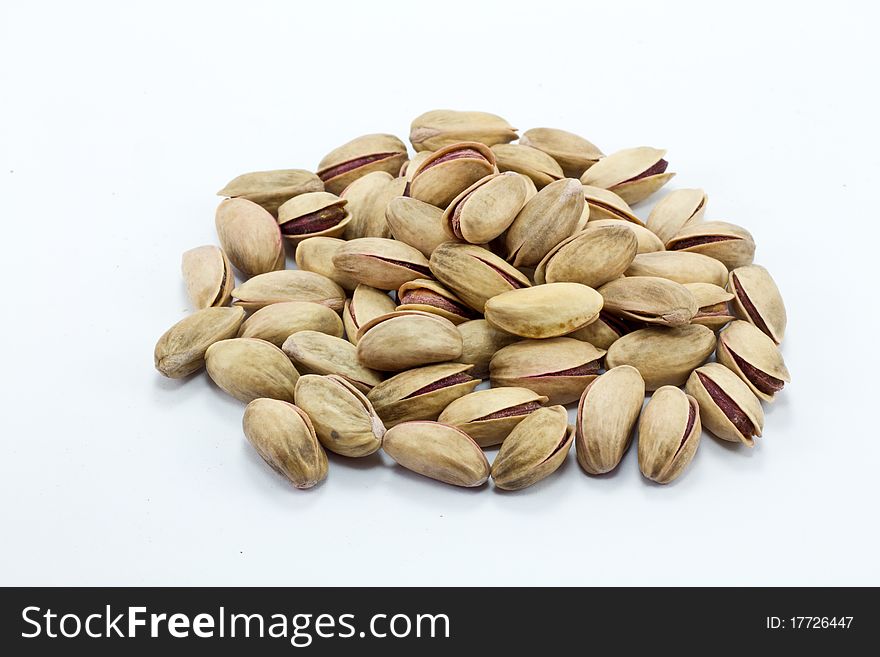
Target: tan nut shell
x=437 y=451
x=743 y=346
x=315 y=254
x=381 y=263
x=736 y=249
x=288 y=285
x=535 y=449
x=248 y=369
x=679 y=266
x=649 y=299
x=606 y=205
x=445 y=303
x=601 y=333
x=318 y=353
x=361 y=147
x=272 y=188
x=480 y=340
x=486 y=209
x=439 y=128
x=620 y=171
x=250 y=236
x=544 y=311
x=488 y=416
x=528 y=161
x=573 y=153
x=208 y=276
x=757 y=300
x=445 y=174
x=591 y=257
x=416 y=223
x=368 y=200
x=366 y=304
x=312 y=203
x=181 y=349
x=714 y=310
x=676 y=210
x=277 y=322
x=667 y=443
x=405 y=339
x=711 y=414
x=648 y=242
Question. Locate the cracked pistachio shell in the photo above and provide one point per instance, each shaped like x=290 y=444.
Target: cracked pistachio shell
x=284 y=437
x=604 y=204
x=488 y=416
x=421 y=393
x=408 y=170
x=558 y=368
x=679 y=208
x=315 y=254
x=728 y=408
x=344 y=419
x=474 y=274
x=250 y=236
x=248 y=369
x=679 y=266
x=602 y=333
x=480 y=340
x=313 y=352
x=208 y=276
x=535 y=449
x=591 y=257
x=753 y=356
x=447 y=172
x=632 y=173
x=548 y=218
x=366 y=304
x=573 y=153
x=363 y=155
x=649 y=299
x=416 y=223
x=756 y=299
x=405 y=339
x=606 y=416
x=437 y=451
x=729 y=243
x=485 y=209
x=313 y=214
x=544 y=311
x=647 y=241
x=537 y=165
x=368 y=200
x=663 y=356
x=669 y=434
x=429 y=296
x=272 y=188
x=385 y=264
x=438 y=128
x=288 y=285
x=277 y=322
x=712 y=301
x=181 y=349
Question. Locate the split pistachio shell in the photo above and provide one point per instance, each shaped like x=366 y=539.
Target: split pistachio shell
x=605 y=204
x=288 y=285
x=535 y=449
x=248 y=369
x=753 y=356
x=544 y=311
x=649 y=299
x=663 y=356
x=712 y=300
x=756 y=299
x=559 y=368
x=318 y=353
x=313 y=214
x=647 y=241
x=602 y=333
x=488 y=416
x=208 y=277
x=284 y=437
x=474 y=274
x=728 y=408
x=449 y=171
x=573 y=153
x=366 y=304
x=606 y=416
x=438 y=128
x=416 y=223
x=547 y=219
x=421 y=393
x=272 y=188
x=537 y=165
x=437 y=451
x=409 y=169
x=277 y=322
x=181 y=349
x=250 y=236
x=729 y=243
x=633 y=173
x=676 y=210
x=381 y=263
x=363 y=155
x=368 y=199
x=344 y=419
x=429 y=296
x=486 y=209
x=315 y=254
x=679 y=266
x=480 y=340
x=405 y=339
x=591 y=257
x=669 y=434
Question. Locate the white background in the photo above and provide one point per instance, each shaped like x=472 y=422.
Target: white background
x=119 y=121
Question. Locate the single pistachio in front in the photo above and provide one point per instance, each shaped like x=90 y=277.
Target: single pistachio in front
x=753 y=356
x=313 y=352
x=757 y=300
x=669 y=434
x=486 y=209
x=208 y=276
x=592 y=257
x=488 y=416
x=632 y=173
x=248 y=369
x=181 y=349
x=544 y=311
x=358 y=157
x=728 y=408
x=250 y=236
x=437 y=451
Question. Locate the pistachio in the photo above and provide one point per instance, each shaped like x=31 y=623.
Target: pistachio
x=753 y=356
x=313 y=214
x=480 y=341
x=632 y=173
x=366 y=303
x=573 y=153
x=484 y=210
x=344 y=419
x=488 y=416
x=679 y=266
x=276 y=322
x=606 y=417
x=669 y=434
x=381 y=263
x=714 y=311
x=409 y=169
x=363 y=155
x=728 y=408
x=544 y=311
x=315 y=254
x=756 y=299
x=729 y=243
x=250 y=236
x=248 y=369
x=208 y=277
x=429 y=296
x=272 y=188
x=535 y=449
x=284 y=437
x=405 y=339
x=676 y=210
x=528 y=161
x=603 y=332
x=649 y=299
x=181 y=349
x=447 y=172
x=438 y=128
x=663 y=356
x=559 y=368
x=592 y=257
x=288 y=285
x=368 y=199
x=647 y=241
x=416 y=223
x=437 y=451
x=605 y=204
x=318 y=353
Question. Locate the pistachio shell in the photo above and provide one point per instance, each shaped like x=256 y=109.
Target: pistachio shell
x=547 y=219
x=416 y=223
x=488 y=416
x=573 y=153
x=484 y=210
x=679 y=208
x=313 y=214
x=405 y=339
x=669 y=434
x=632 y=173
x=592 y=257
x=368 y=199
x=318 y=353
x=528 y=161
x=450 y=170
x=727 y=407
x=649 y=299
x=480 y=341
x=366 y=303
x=208 y=277
x=729 y=243
x=714 y=310
x=756 y=299
x=437 y=451
x=753 y=356
x=648 y=242
x=250 y=236
x=544 y=311
x=409 y=170
x=248 y=369
x=429 y=296
x=277 y=322
x=288 y=285
x=181 y=349
x=315 y=254
x=381 y=263
x=535 y=449
x=605 y=204
x=439 y=128
x=679 y=266
x=363 y=155
x=602 y=333
x=272 y=188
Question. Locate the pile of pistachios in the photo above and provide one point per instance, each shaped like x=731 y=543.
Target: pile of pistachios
x=418 y=276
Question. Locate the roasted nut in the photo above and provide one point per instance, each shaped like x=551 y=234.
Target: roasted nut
x=450 y=170
x=727 y=406
x=208 y=277
x=528 y=161
x=277 y=322
x=439 y=128
x=313 y=214
x=248 y=369
x=288 y=285
x=363 y=155
x=729 y=243
x=486 y=209
x=633 y=173
x=366 y=304
x=318 y=353
x=315 y=254
x=756 y=299
x=573 y=153
x=368 y=198
x=753 y=356
x=606 y=205
x=544 y=311
x=679 y=266
x=437 y=451
x=669 y=434
x=488 y=416
x=250 y=236
x=181 y=349
x=381 y=263
x=678 y=209
x=603 y=332
x=416 y=223
x=429 y=296
x=591 y=257
x=649 y=299
x=272 y=188
x=480 y=340
x=535 y=449
x=405 y=339
x=712 y=300
x=647 y=241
